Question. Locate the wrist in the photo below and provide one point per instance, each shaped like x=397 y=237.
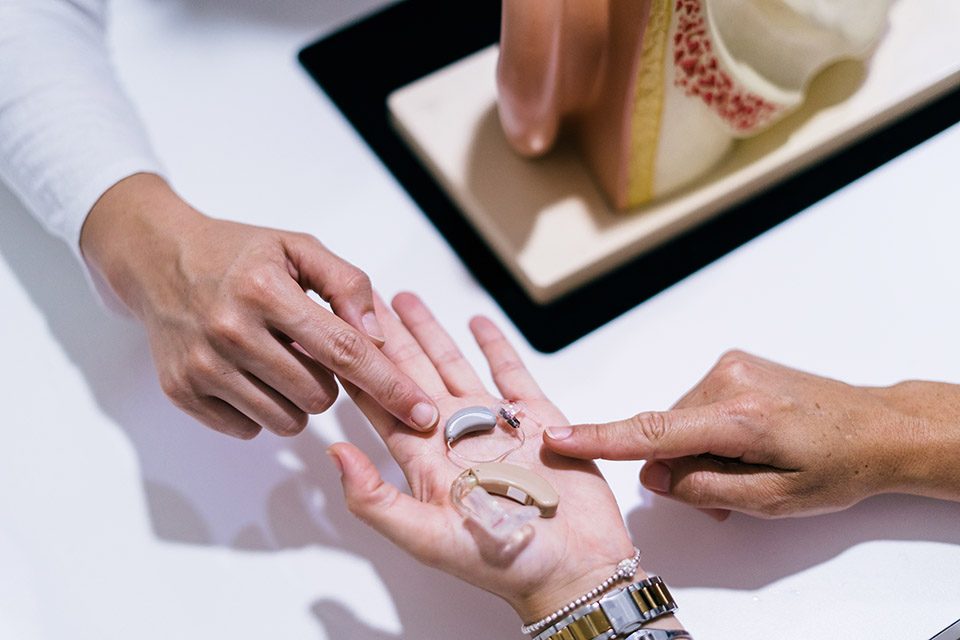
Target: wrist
x=556 y=593
x=578 y=593
x=924 y=427
x=134 y=232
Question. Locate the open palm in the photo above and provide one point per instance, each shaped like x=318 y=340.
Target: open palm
x=568 y=554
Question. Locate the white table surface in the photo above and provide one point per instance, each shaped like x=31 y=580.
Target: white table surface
x=122 y=518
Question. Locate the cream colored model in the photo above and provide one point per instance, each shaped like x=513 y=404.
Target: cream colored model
x=656 y=91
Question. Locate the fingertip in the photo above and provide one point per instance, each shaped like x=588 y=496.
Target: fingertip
x=411 y=309
x=335 y=458
x=482 y=325
x=565 y=445
x=424 y=416
x=349 y=460
x=655 y=476
x=246 y=432
x=405 y=300
x=715 y=514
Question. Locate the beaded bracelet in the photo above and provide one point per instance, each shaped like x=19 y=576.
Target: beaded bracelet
x=625 y=571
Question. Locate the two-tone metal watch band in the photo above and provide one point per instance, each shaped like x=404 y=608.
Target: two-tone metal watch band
x=660 y=634
x=616 y=615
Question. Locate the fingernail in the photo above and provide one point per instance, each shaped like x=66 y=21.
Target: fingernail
x=372 y=326
x=559 y=433
x=336 y=460
x=424 y=415
x=656 y=477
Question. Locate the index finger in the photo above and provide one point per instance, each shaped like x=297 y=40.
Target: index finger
x=655 y=434
x=351 y=356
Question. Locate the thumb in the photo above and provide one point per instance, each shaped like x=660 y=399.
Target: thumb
x=711 y=485
x=653 y=434
x=344 y=286
x=408 y=523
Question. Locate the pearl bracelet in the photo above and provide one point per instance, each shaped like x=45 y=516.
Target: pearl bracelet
x=625 y=571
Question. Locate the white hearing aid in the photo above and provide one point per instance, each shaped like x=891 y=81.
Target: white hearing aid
x=479 y=419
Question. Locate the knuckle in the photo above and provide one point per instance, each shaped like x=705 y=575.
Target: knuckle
x=783 y=496
x=406 y=353
x=733 y=355
x=308 y=238
x=356 y=281
x=176 y=387
x=318 y=400
x=509 y=366
x=347 y=350
x=201 y=365
x=395 y=392
x=777 y=506
x=259 y=285
x=734 y=366
x=651 y=425
x=760 y=409
x=291 y=425
x=363 y=501
x=751 y=405
x=227 y=328
x=447 y=357
x=696 y=491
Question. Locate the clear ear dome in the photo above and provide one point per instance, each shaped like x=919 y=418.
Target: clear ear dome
x=505 y=526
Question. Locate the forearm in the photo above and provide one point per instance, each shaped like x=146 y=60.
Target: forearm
x=67 y=132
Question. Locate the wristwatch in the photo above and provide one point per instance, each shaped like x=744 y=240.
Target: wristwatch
x=617 y=615
x=660 y=634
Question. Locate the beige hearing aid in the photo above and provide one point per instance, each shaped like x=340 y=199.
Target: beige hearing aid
x=510 y=481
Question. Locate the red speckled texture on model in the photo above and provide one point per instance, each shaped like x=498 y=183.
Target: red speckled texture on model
x=699 y=73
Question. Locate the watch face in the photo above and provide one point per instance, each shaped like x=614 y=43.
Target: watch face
x=950 y=633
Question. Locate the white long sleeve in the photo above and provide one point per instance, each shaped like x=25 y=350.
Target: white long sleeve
x=67 y=131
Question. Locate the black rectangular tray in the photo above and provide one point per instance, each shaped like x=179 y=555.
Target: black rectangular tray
x=359 y=66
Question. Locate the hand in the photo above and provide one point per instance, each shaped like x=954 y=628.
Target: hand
x=568 y=555
x=237 y=342
x=767 y=440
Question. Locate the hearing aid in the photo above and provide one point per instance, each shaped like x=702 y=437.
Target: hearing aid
x=480 y=419
x=469 y=420
x=473 y=491
x=509 y=481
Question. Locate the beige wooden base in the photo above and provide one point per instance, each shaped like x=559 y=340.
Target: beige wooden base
x=548 y=223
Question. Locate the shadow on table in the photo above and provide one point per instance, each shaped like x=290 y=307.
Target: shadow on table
x=205 y=489
x=749 y=553
x=257 y=497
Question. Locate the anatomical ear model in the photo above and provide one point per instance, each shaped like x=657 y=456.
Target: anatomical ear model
x=656 y=91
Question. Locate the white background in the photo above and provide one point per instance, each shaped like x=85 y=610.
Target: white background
x=122 y=518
